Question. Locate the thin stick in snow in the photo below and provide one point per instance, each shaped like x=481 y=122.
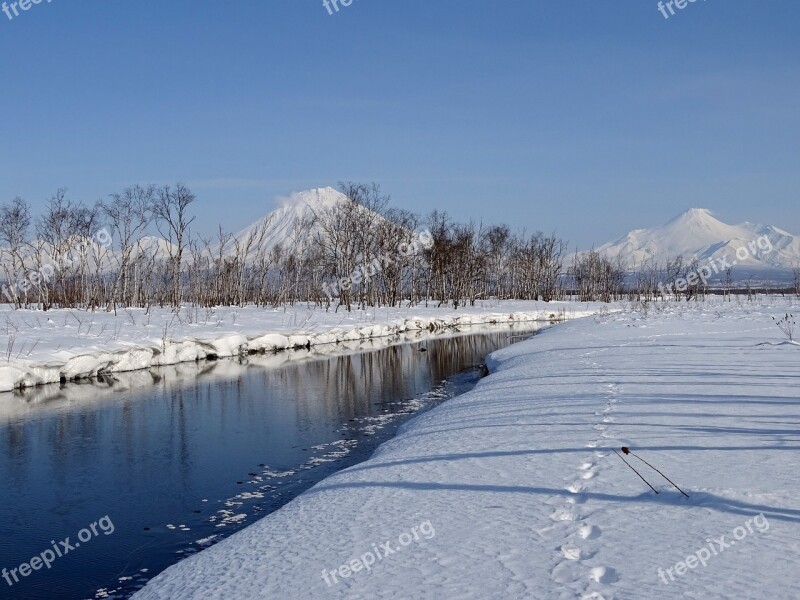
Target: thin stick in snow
x=627 y=450
x=635 y=471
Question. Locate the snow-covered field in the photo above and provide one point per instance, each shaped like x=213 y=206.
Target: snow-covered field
x=513 y=491
x=45 y=347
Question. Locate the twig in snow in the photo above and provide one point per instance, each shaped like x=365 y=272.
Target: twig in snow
x=627 y=450
x=28 y=353
x=635 y=471
x=12 y=338
x=786 y=325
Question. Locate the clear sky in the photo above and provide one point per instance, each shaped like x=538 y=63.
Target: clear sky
x=589 y=118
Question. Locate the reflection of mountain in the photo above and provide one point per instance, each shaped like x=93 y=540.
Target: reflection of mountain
x=697 y=233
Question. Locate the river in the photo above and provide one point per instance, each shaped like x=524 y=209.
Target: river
x=142 y=469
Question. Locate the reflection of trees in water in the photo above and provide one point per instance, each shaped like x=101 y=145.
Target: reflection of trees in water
x=146 y=446
x=165 y=411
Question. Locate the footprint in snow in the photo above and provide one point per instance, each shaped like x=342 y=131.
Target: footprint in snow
x=563 y=515
x=571 y=552
x=566 y=572
x=589 y=532
x=603 y=575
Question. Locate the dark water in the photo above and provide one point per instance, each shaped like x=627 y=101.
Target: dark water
x=167 y=461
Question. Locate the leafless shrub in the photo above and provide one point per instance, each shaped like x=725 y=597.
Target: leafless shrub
x=786 y=324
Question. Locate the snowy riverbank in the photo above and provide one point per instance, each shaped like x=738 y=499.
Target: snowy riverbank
x=512 y=491
x=56 y=345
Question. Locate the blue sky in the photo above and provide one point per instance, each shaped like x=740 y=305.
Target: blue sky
x=588 y=118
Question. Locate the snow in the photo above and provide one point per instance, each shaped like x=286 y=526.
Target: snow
x=698 y=233
x=49 y=346
x=513 y=491
x=152 y=246
x=287 y=225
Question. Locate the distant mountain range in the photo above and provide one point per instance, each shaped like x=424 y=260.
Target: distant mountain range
x=765 y=250
x=752 y=249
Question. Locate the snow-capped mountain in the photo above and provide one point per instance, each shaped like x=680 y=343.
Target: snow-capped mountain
x=153 y=246
x=697 y=233
x=288 y=224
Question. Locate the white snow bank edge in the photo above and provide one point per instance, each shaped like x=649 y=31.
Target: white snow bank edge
x=18 y=375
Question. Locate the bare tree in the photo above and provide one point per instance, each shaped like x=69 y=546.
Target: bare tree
x=15 y=221
x=596 y=277
x=128 y=215
x=796 y=280
x=65 y=233
x=170 y=209
x=350 y=253
x=729 y=281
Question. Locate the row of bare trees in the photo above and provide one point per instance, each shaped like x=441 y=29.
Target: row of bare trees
x=136 y=249
x=75 y=255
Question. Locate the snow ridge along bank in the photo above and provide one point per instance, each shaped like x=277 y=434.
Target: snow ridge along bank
x=65 y=345
x=512 y=491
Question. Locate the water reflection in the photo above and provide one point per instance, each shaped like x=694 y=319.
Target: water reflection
x=180 y=457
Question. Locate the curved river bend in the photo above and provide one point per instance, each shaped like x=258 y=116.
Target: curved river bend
x=181 y=457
